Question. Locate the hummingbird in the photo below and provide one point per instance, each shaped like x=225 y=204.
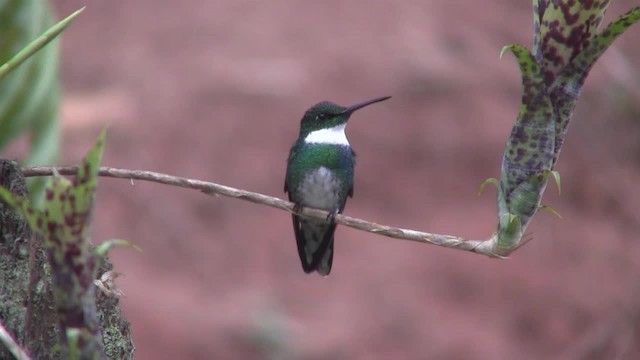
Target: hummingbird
x=320 y=175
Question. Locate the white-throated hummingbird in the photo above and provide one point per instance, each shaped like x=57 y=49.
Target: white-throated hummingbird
x=320 y=175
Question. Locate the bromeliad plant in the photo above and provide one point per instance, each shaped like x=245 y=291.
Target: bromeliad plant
x=65 y=225
x=566 y=45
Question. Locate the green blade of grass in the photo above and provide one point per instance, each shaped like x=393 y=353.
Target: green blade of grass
x=38 y=43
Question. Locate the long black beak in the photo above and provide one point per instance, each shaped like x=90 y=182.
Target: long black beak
x=355 y=107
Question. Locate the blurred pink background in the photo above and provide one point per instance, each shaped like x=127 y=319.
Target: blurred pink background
x=215 y=90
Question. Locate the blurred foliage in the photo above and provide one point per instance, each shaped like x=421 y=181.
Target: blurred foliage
x=29 y=95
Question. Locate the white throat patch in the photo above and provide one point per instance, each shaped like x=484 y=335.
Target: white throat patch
x=331 y=136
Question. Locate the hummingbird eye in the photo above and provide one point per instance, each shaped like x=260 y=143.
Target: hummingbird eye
x=322 y=116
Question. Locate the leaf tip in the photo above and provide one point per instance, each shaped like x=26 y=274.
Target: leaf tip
x=556 y=177
x=550 y=210
x=486 y=182
x=505 y=49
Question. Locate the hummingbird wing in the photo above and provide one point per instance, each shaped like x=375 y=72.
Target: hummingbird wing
x=300 y=242
x=324 y=252
x=308 y=267
x=350 y=193
x=297 y=227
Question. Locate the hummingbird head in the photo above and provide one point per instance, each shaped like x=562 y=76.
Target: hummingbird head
x=325 y=122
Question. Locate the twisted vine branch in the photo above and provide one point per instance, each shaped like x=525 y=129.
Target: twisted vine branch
x=485 y=247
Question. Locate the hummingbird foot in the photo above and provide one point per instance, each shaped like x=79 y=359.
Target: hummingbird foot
x=331 y=218
x=297 y=207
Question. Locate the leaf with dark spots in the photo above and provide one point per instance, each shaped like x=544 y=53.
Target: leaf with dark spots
x=86 y=178
x=539 y=8
x=534 y=123
x=35 y=217
x=600 y=42
x=566 y=44
x=73 y=250
x=566 y=88
x=51 y=227
x=55 y=208
x=65 y=226
x=566 y=29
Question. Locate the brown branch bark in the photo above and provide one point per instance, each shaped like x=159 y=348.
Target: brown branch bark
x=485 y=247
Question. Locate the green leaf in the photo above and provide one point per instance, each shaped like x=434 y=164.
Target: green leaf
x=38 y=44
x=103 y=248
x=29 y=82
x=525 y=197
x=551 y=210
x=530 y=148
x=87 y=178
x=56 y=200
x=565 y=86
x=65 y=226
x=528 y=65
x=68 y=208
x=35 y=217
x=492 y=181
x=566 y=27
x=556 y=177
x=73 y=337
x=509 y=233
x=600 y=42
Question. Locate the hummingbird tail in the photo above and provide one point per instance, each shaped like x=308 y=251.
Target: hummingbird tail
x=315 y=245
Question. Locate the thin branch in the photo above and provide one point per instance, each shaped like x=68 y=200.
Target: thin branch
x=485 y=247
x=11 y=344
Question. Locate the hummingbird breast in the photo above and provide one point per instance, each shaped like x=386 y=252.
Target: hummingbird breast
x=322 y=189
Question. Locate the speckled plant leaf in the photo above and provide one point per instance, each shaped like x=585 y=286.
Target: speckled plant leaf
x=563 y=29
x=539 y=8
x=69 y=204
x=565 y=47
x=528 y=155
x=516 y=209
x=78 y=208
x=65 y=226
x=530 y=149
x=35 y=217
x=599 y=42
x=509 y=233
x=568 y=83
